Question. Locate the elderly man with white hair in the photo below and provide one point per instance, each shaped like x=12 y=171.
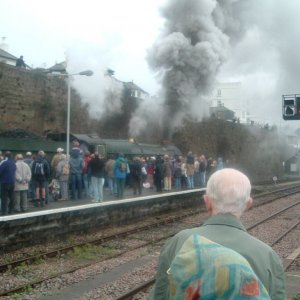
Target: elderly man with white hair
x=55 y=160
x=23 y=177
x=227 y=198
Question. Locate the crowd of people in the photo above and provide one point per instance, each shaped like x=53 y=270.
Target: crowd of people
x=83 y=175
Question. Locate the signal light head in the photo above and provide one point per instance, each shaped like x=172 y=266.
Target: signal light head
x=291 y=107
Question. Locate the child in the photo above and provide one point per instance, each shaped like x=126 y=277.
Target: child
x=54 y=189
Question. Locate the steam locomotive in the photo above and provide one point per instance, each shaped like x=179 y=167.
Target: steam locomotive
x=20 y=142
x=130 y=148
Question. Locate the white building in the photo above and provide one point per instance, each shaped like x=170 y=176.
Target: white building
x=5 y=56
x=229 y=94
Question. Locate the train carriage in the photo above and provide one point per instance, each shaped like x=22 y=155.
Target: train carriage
x=129 y=148
x=23 y=145
x=21 y=142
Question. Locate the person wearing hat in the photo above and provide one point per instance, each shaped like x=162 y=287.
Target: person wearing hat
x=28 y=159
x=55 y=160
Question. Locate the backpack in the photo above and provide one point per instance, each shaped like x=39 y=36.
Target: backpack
x=203 y=269
x=136 y=169
x=123 y=166
x=39 y=169
x=177 y=172
x=65 y=169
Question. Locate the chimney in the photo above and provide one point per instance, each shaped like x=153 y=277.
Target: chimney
x=3 y=45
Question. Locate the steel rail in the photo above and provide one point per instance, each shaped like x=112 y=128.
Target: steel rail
x=136 y=290
x=39 y=281
x=291 y=258
x=280 y=194
x=273 y=215
x=262 y=194
x=285 y=233
x=98 y=241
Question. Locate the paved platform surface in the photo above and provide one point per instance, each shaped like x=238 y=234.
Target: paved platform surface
x=128 y=193
x=292 y=284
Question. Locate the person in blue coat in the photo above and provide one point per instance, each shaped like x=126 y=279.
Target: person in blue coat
x=120 y=171
x=7 y=180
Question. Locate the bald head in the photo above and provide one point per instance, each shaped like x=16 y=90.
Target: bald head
x=228 y=191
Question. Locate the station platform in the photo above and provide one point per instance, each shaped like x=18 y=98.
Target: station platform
x=292 y=285
x=292 y=276
x=61 y=218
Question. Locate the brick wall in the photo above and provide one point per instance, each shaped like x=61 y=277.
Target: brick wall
x=31 y=100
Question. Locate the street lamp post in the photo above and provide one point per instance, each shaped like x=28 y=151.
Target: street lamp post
x=86 y=73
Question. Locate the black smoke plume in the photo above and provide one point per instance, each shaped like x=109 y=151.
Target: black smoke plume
x=187 y=55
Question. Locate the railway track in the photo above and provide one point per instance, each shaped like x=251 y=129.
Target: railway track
x=287 y=262
x=102 y=240
x=266 y=197
x=273 y=215
x=97 y=241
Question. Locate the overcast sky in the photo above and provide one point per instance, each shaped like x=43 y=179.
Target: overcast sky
x=97 y=34
x=257 y=41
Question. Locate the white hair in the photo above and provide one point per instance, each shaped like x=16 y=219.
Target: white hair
x=229 y=191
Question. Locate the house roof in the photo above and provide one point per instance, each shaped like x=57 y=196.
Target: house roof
x=60 y=67
x=7 y=55
x=220 y=109
x=132 y=86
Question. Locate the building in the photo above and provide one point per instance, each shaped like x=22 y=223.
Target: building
x=221 y=112
x=7 y=58
x=133 y=90
x=130 y=89
x=229 y=95
x=59 y=68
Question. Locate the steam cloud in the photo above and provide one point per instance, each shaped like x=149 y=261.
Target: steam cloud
x=102 y=92
x=203 y=41
x=188 y=54
x=226 y=40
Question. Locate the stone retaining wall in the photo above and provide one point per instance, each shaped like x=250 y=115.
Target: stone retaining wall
x=18 y=231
